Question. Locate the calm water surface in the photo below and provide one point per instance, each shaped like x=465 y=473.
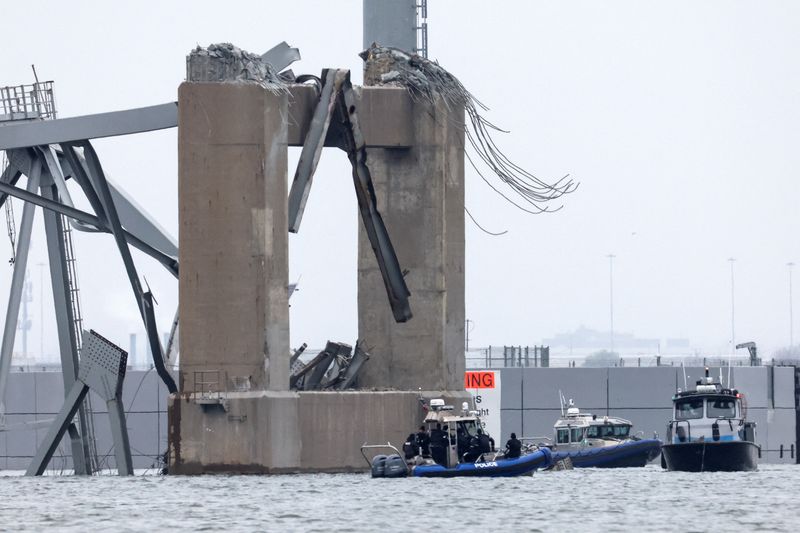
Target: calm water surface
x=580 y=500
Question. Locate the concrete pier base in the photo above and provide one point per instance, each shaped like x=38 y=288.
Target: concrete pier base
x=244 y=432
x=289 y=432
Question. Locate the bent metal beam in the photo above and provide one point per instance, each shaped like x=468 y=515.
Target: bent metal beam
x=139 y=120
x=82 y=216
x=398 y=134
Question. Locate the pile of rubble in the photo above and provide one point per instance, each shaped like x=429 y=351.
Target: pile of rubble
x=334 y=368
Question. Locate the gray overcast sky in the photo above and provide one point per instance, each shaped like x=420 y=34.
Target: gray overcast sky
x=679 y=118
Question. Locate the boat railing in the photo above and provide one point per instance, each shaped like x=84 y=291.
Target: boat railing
x=531 y=444
x=387 y=446
x=546 y=440
x=673 y=428
x=488 y=456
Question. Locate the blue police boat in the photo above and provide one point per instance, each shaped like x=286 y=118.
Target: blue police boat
x=589 y=440
x=452 y=445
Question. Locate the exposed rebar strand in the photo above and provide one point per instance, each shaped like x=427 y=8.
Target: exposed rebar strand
x=428 y=81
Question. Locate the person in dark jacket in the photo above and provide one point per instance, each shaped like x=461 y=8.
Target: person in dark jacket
x=423 y=442
x=513 y=447
x=438 y=445
x=462 y=440
x=485 y=443
x=473 y=450
x=478 y=445
x=409 y=448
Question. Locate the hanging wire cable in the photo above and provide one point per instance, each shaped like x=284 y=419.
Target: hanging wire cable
x=481 y=227
x=427 y=80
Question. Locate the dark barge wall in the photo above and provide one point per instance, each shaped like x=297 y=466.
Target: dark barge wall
x=529 y=407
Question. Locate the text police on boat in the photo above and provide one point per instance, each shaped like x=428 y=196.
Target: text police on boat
x=450 y=444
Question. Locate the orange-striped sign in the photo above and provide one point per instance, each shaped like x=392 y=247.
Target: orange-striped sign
x=479 y=380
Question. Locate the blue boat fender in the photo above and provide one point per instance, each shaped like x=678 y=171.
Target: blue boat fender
x=548 y=457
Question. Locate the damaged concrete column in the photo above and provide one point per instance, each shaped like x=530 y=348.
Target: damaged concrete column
x=234 y=311
x=420 y=194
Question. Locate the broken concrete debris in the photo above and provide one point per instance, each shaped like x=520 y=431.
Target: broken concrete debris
x=224 y=62
x=422 y=77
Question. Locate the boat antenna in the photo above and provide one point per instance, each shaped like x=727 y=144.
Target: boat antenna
x=561 y=401
x=685 y=385
x=720 y=378
x=730 y=360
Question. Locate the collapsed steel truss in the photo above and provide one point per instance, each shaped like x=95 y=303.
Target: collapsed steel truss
x=102 y=370
x=49 y=153
x=53 y=151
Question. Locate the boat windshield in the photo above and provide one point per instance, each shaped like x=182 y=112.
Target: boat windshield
x=467 y=427
x=689 y=408
x=608 y=431
x=569 y=434
x=721 y=408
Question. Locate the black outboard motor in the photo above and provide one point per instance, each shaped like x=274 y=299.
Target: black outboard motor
x=379 y=466
x=395 y=466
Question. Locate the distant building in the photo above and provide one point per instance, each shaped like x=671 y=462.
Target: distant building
x=585 y=340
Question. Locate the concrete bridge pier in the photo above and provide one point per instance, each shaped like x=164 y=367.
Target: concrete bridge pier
x=233 y=237
x=234 y=412
x=420 y=193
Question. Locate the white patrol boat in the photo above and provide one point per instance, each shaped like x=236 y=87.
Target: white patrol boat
x=709 y=431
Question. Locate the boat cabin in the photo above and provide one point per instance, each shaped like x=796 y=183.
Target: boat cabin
x=579 y=430
x=451 y=432
x=710 y=412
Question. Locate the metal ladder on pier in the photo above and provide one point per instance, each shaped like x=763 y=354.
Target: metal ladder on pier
x=77 y=318
x=10 y=224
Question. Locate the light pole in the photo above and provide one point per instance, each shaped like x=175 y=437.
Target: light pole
x=732 y=260
x=467 y=330
x=791 y=310
x=611 y=296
